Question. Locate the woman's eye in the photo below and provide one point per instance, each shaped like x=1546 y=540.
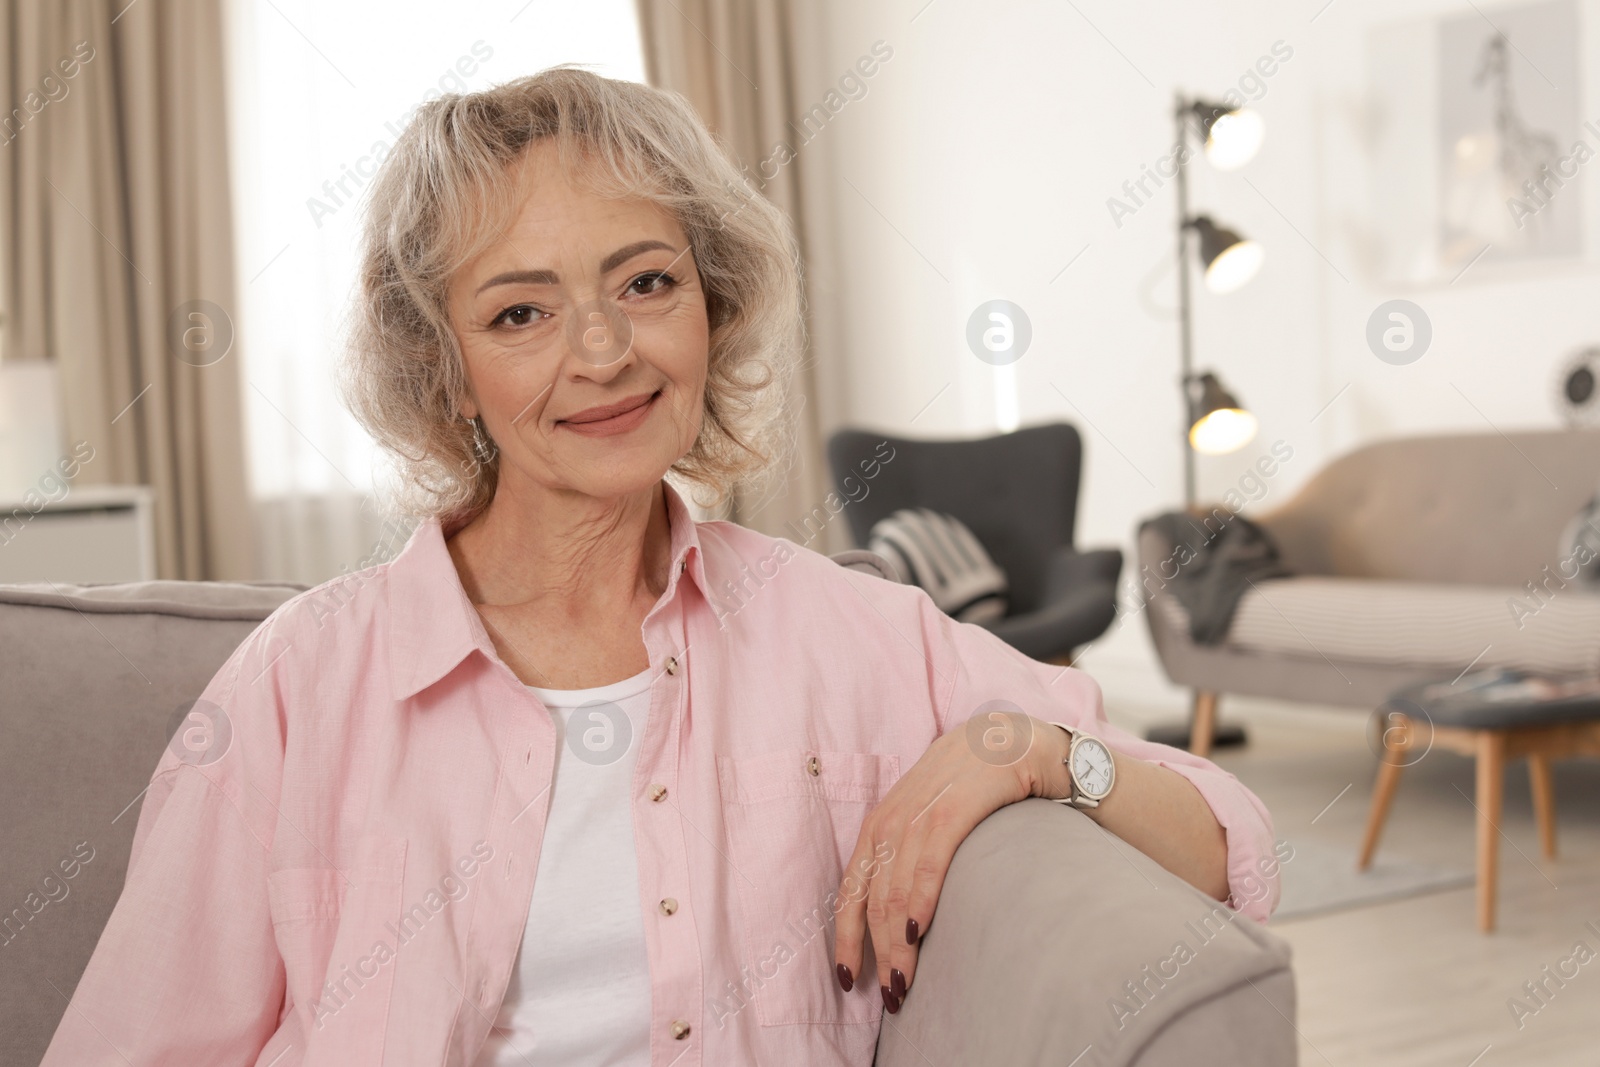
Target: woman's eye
x=516 y=315
x=653 y=282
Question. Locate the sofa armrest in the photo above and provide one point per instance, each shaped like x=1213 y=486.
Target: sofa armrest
x=1157 y=560
x=1051 y=935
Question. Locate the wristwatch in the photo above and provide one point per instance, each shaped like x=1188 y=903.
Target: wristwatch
x=1091 y=768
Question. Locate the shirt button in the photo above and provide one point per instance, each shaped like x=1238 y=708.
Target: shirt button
x=683 y=565
x=669 y=905
x=658 y=792
x=680 y=1029
x=672 y=665
x=813 y=766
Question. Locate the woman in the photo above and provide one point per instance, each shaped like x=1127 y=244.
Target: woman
x=575 y=778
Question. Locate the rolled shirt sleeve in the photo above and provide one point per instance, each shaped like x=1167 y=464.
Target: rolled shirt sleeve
x=187 y=969
x=975 y=670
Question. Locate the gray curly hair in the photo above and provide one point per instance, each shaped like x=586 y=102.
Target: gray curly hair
x=447 y=188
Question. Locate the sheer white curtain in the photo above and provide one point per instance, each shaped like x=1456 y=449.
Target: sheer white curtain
x=317 y=91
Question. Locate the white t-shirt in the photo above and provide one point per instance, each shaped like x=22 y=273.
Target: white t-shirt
x=580 y=991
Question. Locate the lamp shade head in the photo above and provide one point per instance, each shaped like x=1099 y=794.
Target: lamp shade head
x=1219 y=424
x=1230 y=260
x=1233 y=137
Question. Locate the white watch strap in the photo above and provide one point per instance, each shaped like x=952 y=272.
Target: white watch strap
x=1072 y=793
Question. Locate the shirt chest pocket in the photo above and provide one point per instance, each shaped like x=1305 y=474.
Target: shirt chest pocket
x=336 y=933
x=793 y=819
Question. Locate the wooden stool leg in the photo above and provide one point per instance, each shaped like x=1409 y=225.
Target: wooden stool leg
x=1396 y=744
x=1544 y=801
x=1203 y=723
x=1491 y=780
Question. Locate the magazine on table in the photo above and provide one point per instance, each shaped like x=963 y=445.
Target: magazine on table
x=1501 y=685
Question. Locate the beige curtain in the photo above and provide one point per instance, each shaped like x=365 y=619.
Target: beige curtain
x=117 y=255
x=735 y=61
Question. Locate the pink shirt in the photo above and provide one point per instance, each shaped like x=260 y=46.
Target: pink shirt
x=340 y=872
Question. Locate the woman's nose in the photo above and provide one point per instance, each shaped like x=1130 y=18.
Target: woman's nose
x=599 y=339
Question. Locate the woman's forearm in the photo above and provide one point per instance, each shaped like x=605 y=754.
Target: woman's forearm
x=1156 y=810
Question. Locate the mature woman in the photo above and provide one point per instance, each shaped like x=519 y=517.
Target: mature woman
x=575 y=778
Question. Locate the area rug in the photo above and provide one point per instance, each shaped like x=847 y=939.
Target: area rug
x=1322 y=877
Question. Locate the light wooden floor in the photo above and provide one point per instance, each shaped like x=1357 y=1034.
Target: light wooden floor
x=1412 y=982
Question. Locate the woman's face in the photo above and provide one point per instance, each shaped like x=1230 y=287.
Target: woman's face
x=585 y=338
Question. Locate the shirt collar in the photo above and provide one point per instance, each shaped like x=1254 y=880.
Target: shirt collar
x=433 y=624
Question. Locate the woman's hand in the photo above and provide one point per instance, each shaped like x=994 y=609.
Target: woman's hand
x=897 y=870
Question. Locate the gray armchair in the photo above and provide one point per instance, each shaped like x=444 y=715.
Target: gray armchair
x=1018 y=493
x=1040 y=926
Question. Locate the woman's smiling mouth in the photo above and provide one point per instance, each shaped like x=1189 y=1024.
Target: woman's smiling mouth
x=608 y=419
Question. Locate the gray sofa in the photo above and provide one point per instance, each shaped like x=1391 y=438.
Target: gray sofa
x=1409 y=558
x=1044 y=924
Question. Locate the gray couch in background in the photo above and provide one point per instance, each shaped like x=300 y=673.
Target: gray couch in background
x=1042 y=926
x=1410 y=557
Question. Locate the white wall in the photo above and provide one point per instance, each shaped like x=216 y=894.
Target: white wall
x=985 y=151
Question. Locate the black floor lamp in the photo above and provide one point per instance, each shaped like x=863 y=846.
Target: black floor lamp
x=1214 y=422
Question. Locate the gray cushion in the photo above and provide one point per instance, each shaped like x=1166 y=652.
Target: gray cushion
x=938 y=553
x=1356 y=620
x=941 y=555
x=1479 y=509
x=1227 y=669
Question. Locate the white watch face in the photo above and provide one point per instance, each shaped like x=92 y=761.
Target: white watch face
x=1092 y=768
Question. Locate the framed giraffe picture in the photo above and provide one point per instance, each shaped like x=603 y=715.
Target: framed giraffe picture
x=1487 y=144
x=1511 y=138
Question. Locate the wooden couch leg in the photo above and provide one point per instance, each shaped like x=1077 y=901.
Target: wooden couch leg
x=1203 y=722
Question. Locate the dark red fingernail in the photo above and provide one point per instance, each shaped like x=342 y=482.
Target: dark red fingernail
x=897 y=983
x=911 y=931
x=891 y=1003
x=844 y=977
